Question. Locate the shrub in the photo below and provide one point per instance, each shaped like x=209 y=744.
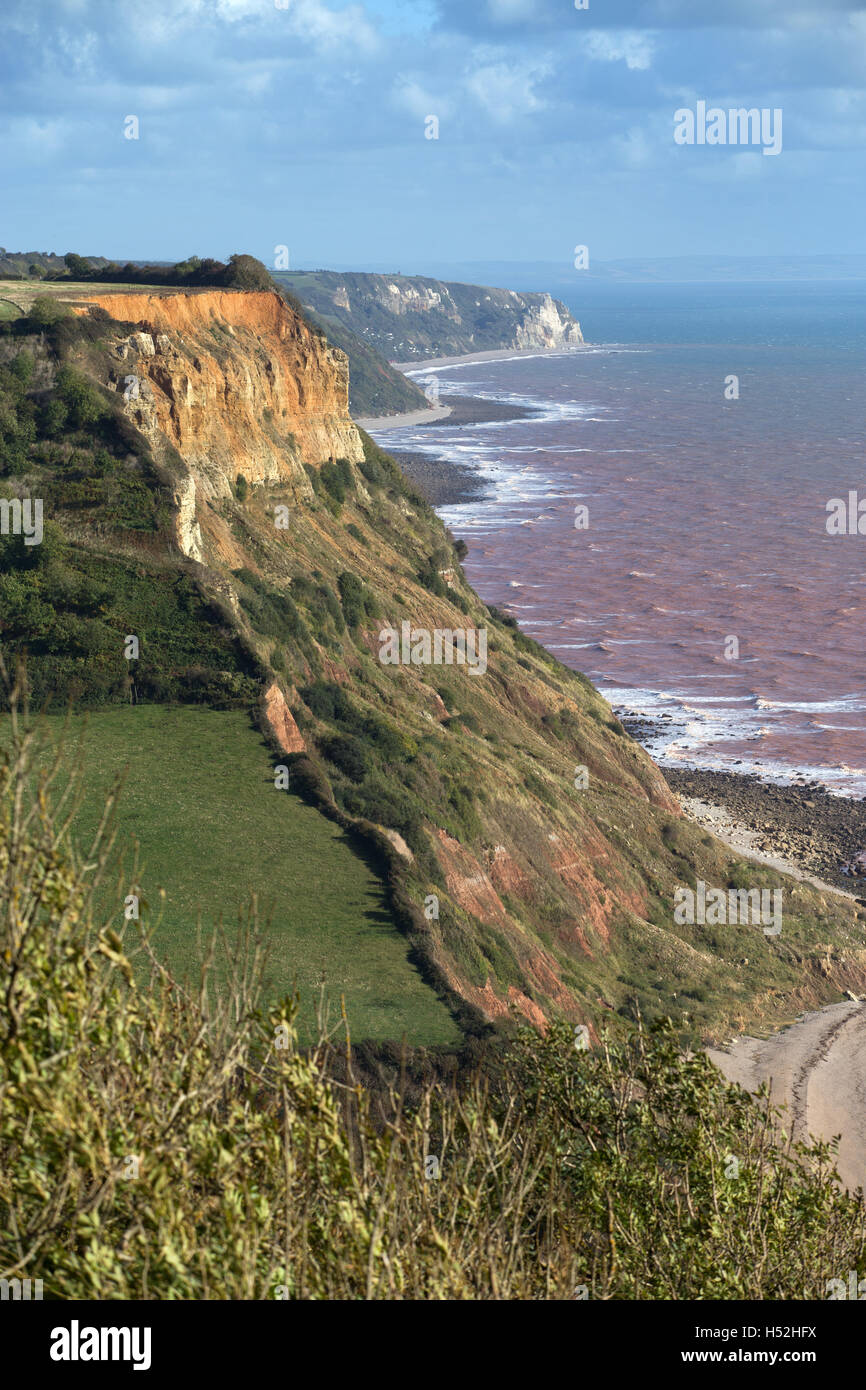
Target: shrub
x=352 y=596
x=83 y=402
x=348 y=755
x=270 y=1171
x=47 y=309
x=337 y=478
x=246 y=273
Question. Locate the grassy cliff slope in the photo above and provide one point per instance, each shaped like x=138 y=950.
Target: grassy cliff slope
x=227 y=513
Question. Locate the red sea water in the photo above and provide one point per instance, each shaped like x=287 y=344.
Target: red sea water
x=707 y=517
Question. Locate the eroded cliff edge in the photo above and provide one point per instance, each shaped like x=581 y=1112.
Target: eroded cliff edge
x=237 y=382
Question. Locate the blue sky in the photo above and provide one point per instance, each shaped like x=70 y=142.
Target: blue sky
x=302 y=123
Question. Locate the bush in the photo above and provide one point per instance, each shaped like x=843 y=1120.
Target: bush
x=337 y=479
x=352 y=596
x=242 y=488
x=246 y=273
x=267 y=1171
x=83 y=402
x=47 y=309
x=348 y=755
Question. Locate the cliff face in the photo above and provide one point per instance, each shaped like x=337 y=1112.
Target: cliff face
x=537 y=848
x=547 y=324
x=237 y=383
x=413 y=317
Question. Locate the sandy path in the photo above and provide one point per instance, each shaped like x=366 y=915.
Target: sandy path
x=817 y=1067
x=410 y=417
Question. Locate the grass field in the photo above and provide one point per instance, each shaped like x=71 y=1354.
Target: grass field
x=212 y=830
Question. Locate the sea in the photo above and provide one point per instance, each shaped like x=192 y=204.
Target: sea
x=704 y=429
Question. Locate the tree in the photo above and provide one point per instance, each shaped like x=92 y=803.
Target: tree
x=77 y=266
x=46 y=310
x=246 y=273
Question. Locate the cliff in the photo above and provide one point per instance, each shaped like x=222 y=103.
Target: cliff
x=414 y=317
x=532 y=850
x=235 y=382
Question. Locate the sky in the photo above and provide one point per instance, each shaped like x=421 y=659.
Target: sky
x=306 y=124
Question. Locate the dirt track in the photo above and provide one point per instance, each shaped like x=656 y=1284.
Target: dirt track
x=818 y=1069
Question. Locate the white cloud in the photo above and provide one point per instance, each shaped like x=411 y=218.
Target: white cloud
x=612 y=46
x=409 y=95
x=311 y=21
x=507 y=90
x=325 y=28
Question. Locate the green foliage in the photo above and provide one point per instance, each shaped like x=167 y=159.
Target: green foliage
x=246 y=273
x=384 y=801
x=242 y=272
x=84 y=405
x=432 y=580
x=462 y=798
x=381 y=470
x=358 y=602
x=77 y=448
x=77 y=266
x=348 y=755
x=631 y=1171
x=70 y=611
x=330 y=703
x=336 y=479
x=321 y=604
x=273 y=612
x=47 y=309
x=242 y=488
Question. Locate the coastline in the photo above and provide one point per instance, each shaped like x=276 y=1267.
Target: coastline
x=494 y=355
x=454 y=411
x=813 y=1068
x=799 y=831
x=444 y=483
x=408 y=419
x=802 y=829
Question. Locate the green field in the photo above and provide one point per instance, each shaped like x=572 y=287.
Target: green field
x=199 y=800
